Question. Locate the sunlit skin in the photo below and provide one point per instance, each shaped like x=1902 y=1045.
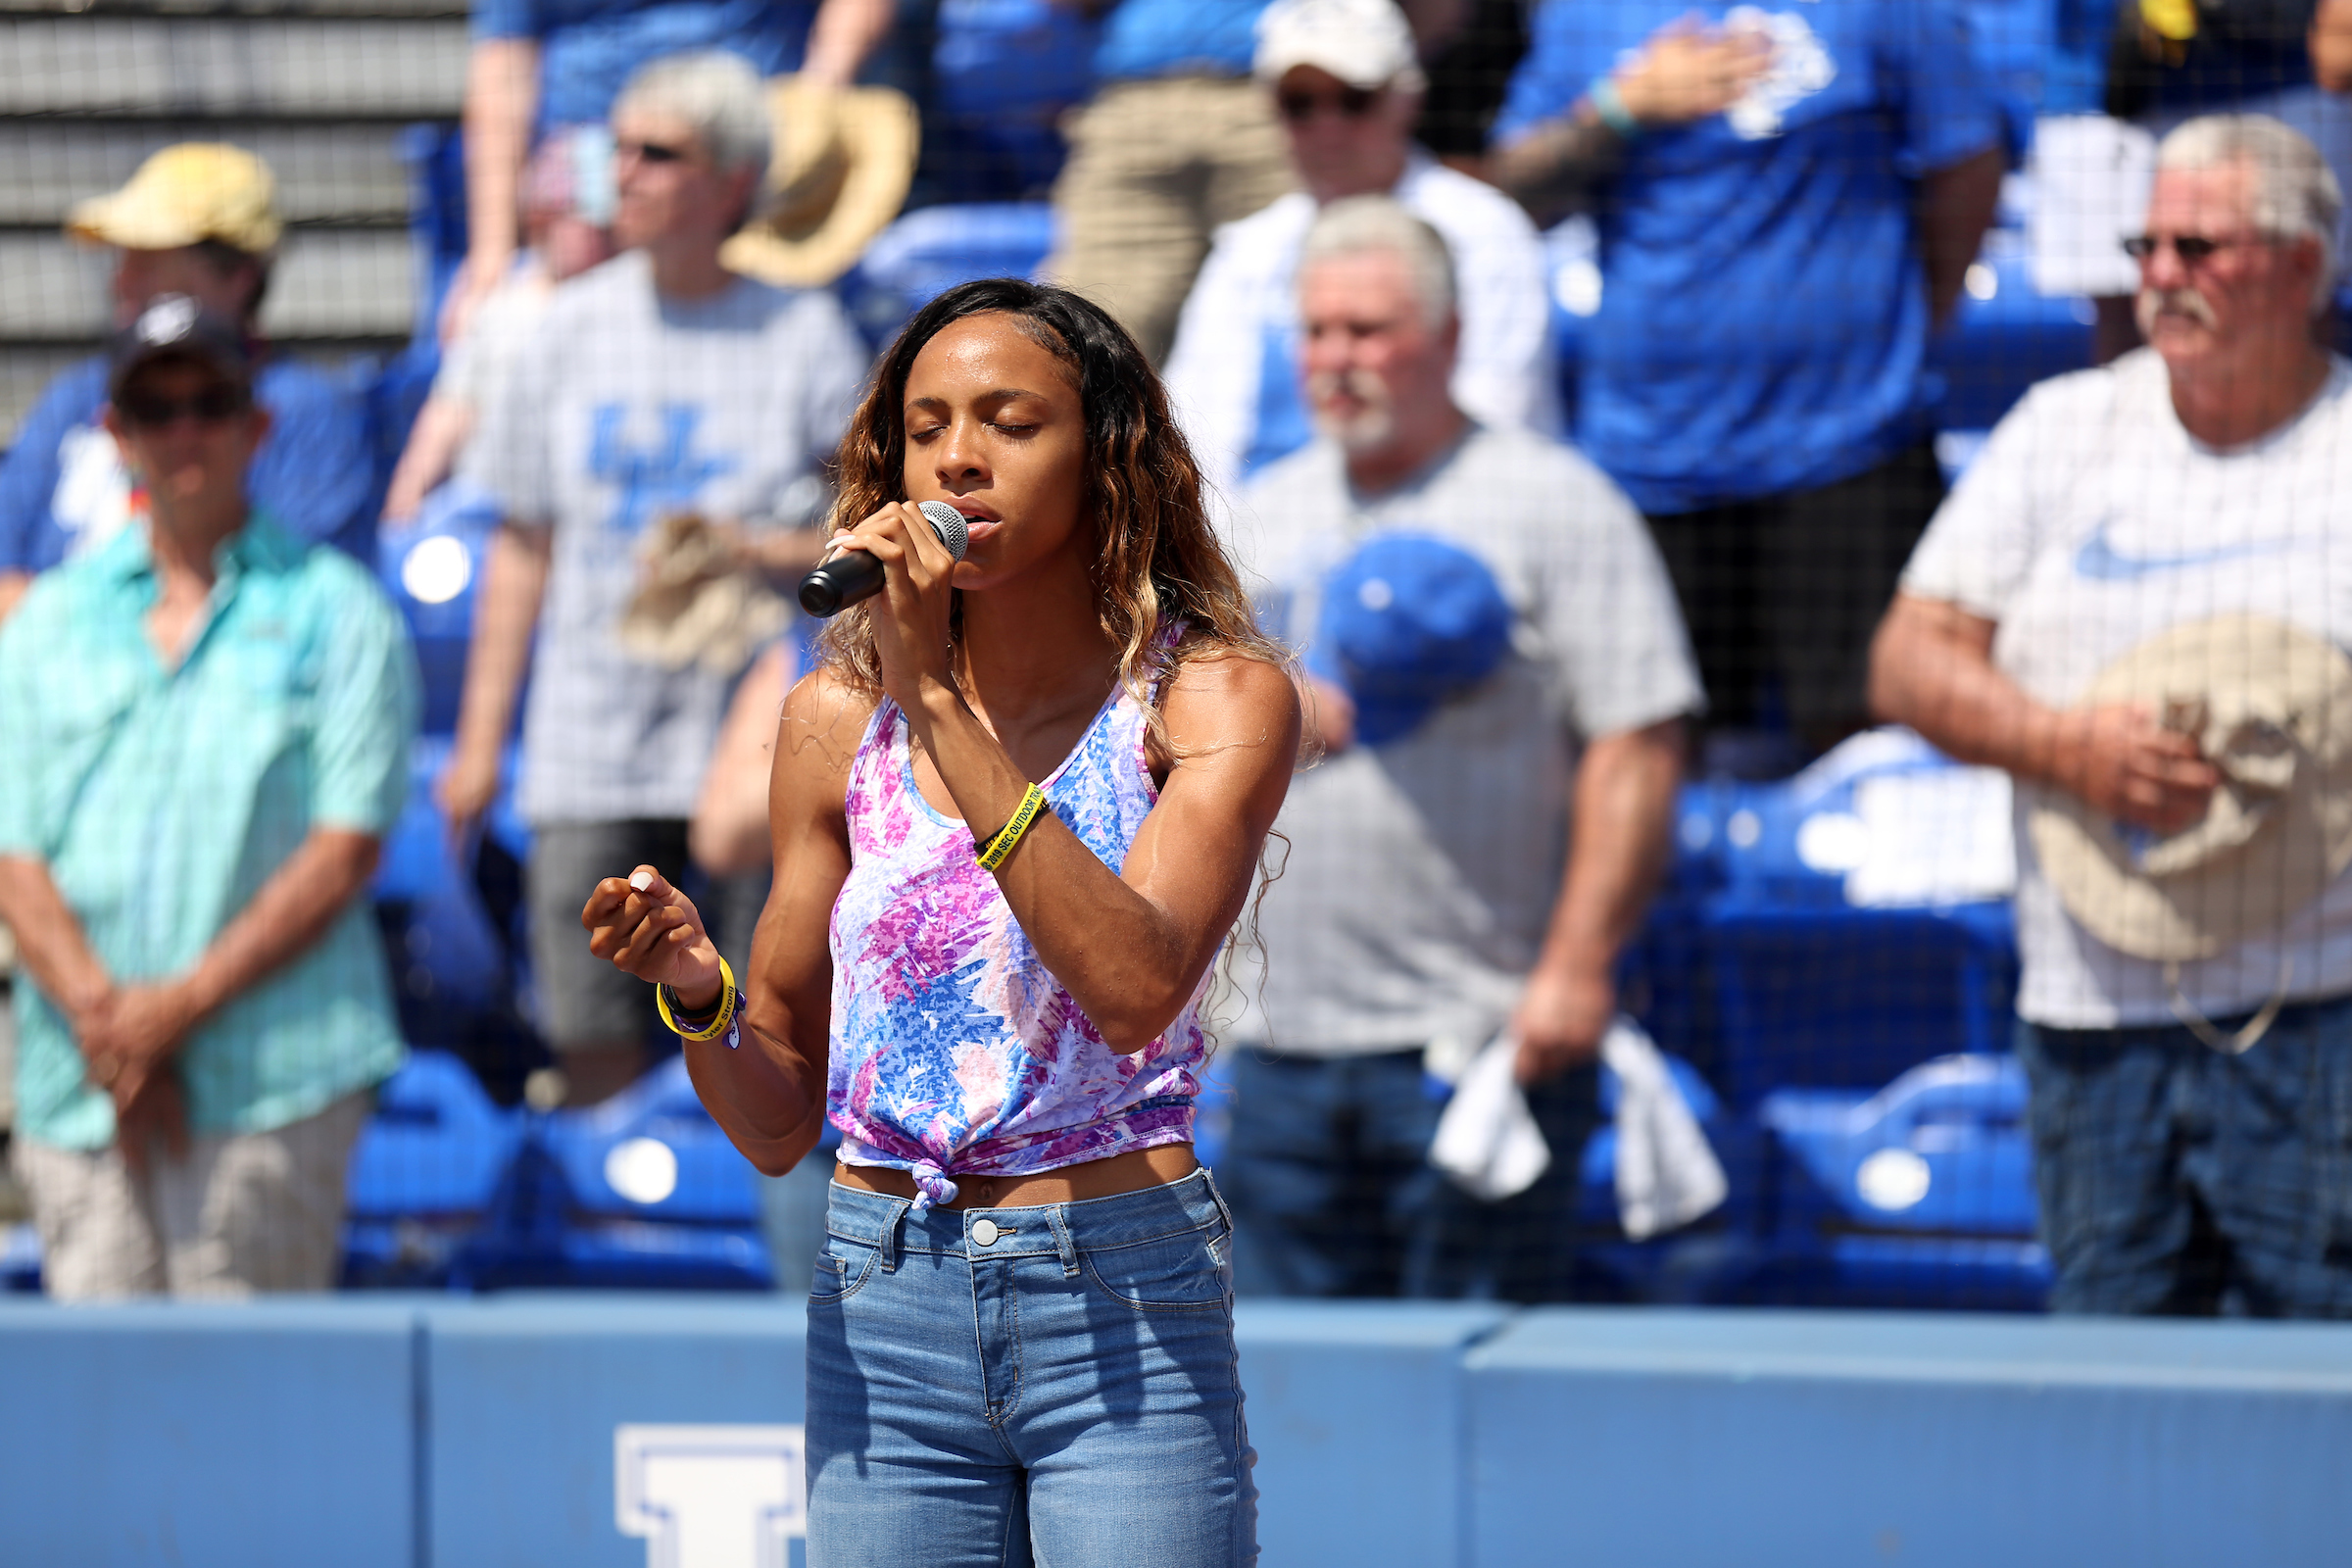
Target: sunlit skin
x=192 y=469
x=1339 y=155
x=1377 y=365
x=993 y=426
x=676 y=210
x=2255 y=362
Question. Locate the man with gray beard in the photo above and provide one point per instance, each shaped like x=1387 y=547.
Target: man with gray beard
x=2184 y=910
x=1497 y=681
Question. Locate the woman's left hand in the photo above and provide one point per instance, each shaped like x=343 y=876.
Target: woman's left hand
x=911 y=613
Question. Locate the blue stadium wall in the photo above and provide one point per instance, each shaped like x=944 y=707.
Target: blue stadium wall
x=405 y=1432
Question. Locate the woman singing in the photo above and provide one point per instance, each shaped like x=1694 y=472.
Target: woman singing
x=1021 y=1334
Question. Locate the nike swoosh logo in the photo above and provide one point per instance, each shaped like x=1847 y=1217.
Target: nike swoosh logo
x=2101 y=561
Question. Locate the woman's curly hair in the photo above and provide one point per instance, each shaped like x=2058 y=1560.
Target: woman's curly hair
x=1157 y=558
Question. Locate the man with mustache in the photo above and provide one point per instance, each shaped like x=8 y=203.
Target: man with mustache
x=1498 y=682
x=2206 y=475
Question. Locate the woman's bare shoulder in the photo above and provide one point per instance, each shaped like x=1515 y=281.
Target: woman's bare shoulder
x=1221 y=695
x=824 y=718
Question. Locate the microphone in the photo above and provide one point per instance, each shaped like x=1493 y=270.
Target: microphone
x=856 y=574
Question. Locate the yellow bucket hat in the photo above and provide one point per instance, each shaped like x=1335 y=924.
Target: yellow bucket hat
x=186 y=195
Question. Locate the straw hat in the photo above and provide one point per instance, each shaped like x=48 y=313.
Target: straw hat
x=695 y=605
x=2271 y=705
x=843 y=161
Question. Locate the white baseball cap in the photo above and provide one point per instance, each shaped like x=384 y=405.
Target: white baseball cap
x=1365 y=43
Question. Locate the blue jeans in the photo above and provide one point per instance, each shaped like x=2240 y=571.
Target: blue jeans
x=1064 y=1395
x=2175 y=1179
x=1334 y=1193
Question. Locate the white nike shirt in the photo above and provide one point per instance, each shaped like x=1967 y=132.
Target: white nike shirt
x=2093 y=521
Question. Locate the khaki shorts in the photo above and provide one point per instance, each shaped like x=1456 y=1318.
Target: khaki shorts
x=1155 y=168
x=245 y=1212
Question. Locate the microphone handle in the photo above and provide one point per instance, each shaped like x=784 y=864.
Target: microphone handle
x=855 y=575
x=849 y=578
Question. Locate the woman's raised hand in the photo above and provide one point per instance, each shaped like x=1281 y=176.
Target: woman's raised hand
x=911 y=613
x=652 y=930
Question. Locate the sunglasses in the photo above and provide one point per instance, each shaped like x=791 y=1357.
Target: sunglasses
x=2192 y=248
x=214 y=405
x=651 y=152
x=1349 y=103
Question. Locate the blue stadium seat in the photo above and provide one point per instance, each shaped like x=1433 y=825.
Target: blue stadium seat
x=432 y=567
x=2005 y=337
x=20 y=1259
x=928 y=252
x=1757 y=968
x=641 y=1191
x=423 y=1174
x=1002 y=73
x=1843 y=997
x=1920 y=1194
x=652 y=1152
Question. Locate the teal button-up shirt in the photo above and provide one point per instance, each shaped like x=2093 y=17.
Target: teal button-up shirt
x=161 y=800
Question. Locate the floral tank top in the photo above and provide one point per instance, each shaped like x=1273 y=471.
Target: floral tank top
x=953 y=1050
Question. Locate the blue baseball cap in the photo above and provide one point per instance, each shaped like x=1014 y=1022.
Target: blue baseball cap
x=1407 y=621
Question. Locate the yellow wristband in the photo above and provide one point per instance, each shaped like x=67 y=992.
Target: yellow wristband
x=993 y=854
x=2176 y=20
x=718 y=1024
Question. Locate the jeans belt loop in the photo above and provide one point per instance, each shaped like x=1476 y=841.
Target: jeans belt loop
x=1058 y=1217
x=898 y=1208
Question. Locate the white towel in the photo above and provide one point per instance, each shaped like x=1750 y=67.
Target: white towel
x=1667 y=1176
x=1488 y=1141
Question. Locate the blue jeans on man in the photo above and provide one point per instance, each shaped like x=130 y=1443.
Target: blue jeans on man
x=1333 y=1195
x=2175 y=1178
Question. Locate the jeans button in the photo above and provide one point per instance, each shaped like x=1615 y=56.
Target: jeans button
x=984 y=1231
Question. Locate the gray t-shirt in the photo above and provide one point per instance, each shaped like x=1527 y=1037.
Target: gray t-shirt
x=1421 y=873
x=625 y=408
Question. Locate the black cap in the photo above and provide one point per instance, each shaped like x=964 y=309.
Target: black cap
x=173 y=326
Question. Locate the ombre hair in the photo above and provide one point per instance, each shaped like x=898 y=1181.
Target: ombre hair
x=1157 y=559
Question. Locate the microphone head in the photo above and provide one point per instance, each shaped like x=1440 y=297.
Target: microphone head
x=948 y=525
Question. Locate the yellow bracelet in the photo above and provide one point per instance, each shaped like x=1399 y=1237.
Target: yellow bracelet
x=717 y=1025
x=993 y=854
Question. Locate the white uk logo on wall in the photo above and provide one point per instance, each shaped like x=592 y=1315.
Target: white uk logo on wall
x=710 y=1496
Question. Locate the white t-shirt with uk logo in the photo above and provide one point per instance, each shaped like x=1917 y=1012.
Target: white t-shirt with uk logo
x=2091 y=523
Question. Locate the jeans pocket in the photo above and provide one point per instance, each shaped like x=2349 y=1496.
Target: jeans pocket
x=1187 y=1272
x=843 y=1268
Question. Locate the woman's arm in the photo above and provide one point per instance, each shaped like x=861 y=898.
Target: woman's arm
x=1131 y=947
x=1128 y=945
x=769 y=1094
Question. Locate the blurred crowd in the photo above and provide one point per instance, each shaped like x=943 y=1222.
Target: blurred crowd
x=1525 y=607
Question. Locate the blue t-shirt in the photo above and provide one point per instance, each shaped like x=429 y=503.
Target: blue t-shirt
x=1144 y=38
x=589 y=48
x=63 y=481
x=1764 y=316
